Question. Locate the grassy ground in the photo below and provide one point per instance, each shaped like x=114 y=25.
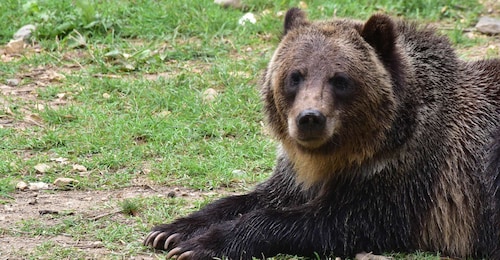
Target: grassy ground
x=152 y=106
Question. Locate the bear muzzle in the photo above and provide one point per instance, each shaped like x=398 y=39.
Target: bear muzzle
x=310 y=128
x=310 y=122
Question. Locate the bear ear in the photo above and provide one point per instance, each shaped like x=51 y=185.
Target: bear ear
x=379 y=31
x=294 y=18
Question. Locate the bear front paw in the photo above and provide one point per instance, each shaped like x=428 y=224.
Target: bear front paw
x=213 y=243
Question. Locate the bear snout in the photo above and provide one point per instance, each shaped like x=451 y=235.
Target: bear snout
x=310 y=123
x=310 y=120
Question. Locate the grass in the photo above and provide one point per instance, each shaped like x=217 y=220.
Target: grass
x=127 y=102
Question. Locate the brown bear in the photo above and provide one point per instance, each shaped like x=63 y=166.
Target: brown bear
x=388 y=143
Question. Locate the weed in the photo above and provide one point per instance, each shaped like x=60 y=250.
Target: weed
x=129 y=207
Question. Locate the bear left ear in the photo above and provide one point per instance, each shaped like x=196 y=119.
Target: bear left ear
x=380 y=33
x=294 y=18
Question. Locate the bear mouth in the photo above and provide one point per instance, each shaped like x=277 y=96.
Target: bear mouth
x=310 y=142
x=317 y=144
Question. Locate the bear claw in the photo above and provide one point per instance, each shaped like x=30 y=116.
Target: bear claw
x=172 y=239
x=186 y=255
x=158 y=238
x=174 y=253
x=150 y=237
x=177 y=253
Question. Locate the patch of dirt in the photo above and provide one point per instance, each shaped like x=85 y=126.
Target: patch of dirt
x=23 y=93
x=45 y=207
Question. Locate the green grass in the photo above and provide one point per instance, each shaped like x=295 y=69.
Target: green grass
x=134 y=74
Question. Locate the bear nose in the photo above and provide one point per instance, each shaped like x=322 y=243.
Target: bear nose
x=310 y=120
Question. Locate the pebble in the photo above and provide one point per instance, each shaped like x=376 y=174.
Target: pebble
x=65 y=182
x=12 y=82
x=247 y=18
x=24 y=33
x=488 y=25
x=238 y=173
x=229 y=3
x=42 y=167
x=79 y=168
x=14 y=47
x=209 y=95
x=21 y=185
x=38 y=186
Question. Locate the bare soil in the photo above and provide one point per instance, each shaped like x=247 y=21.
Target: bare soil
x=45 y=206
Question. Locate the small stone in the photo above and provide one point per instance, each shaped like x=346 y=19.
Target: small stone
x=65 y=182
x=42 y=167
x=488 y=25
x=38 y=186
x=106 y=96
x=247 y=18
x=209 y=95
x=97 y=244
x=238 y=173
x=12 y=82
x=22 y=185
x=229 y=3
x=164 y=114
x=171 y=194
x=61 y=160
x=24 y=33
x=14 y=47
x=79 y=168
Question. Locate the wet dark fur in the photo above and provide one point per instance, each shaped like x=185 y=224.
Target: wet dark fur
x=427 y=180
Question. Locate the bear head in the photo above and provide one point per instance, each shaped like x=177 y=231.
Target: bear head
x=329 y=92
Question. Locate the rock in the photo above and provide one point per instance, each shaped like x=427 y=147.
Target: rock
x=488 y=25
x=229 y=3
x=12 y=82
x=14 y=47
x=66 y=182
x=247 y=18
x=38 y=186
x=24 y=33
x=96 y=244
x=79 y=168
x=22 y=185
x=238 y=173
x=163 y=114
x=370 y=256
x=209 y=95
x=42 y=167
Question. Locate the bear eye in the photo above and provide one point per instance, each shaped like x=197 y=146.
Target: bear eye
x=294 y=80
x=342 y=85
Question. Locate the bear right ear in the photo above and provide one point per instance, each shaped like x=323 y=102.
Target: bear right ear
x=379 y=31
x=294 y=18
